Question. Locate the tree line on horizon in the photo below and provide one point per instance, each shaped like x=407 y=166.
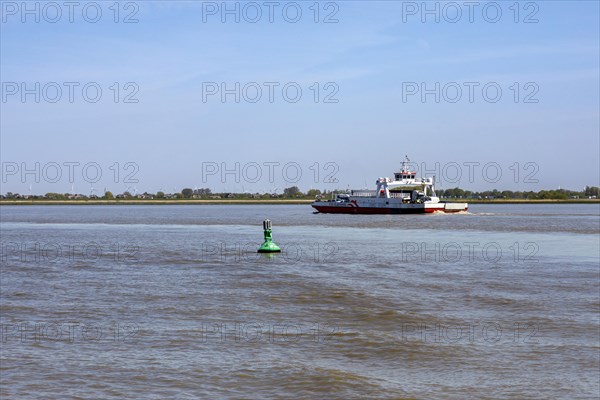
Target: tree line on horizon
x=556 y=194
x=294 y=192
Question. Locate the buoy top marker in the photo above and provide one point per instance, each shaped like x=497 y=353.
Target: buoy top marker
x=268 y=246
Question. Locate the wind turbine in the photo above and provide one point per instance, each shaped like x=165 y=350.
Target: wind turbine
x=245 y=191
x=248 y=192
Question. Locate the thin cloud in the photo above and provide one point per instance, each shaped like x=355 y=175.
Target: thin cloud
x=514 y=52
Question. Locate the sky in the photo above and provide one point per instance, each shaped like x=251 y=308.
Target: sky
x=259 y=96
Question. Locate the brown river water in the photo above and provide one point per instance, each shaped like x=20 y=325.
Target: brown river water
x=158 y=302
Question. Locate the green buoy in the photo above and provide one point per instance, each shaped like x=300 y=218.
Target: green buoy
x=268 y=246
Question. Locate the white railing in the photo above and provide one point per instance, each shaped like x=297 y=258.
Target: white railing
x=373 y=193
x=399 y=195
x=364 y=193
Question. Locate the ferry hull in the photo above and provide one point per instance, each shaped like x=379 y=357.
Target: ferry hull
x=408 y=209
x=367 y=210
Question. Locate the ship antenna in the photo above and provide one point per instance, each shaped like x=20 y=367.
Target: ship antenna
x=405 y=163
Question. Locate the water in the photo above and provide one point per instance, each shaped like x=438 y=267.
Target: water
x=173 y=302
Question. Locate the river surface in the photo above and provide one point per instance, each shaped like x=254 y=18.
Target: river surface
x=159 y=302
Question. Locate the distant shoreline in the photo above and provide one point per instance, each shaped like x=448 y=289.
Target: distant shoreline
x=266 y=201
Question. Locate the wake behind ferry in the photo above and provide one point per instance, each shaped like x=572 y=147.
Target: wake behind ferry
x=406 y=194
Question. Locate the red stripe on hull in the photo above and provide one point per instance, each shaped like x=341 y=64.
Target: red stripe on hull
x=379 y=210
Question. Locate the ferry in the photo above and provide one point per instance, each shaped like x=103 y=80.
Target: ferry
x=405 y=194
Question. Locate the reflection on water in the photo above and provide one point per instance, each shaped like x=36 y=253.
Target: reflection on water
x=174 y=302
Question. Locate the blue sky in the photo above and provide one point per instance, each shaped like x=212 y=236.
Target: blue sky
x=546 y=135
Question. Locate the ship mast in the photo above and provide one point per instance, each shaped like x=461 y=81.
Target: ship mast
x=405 y=164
